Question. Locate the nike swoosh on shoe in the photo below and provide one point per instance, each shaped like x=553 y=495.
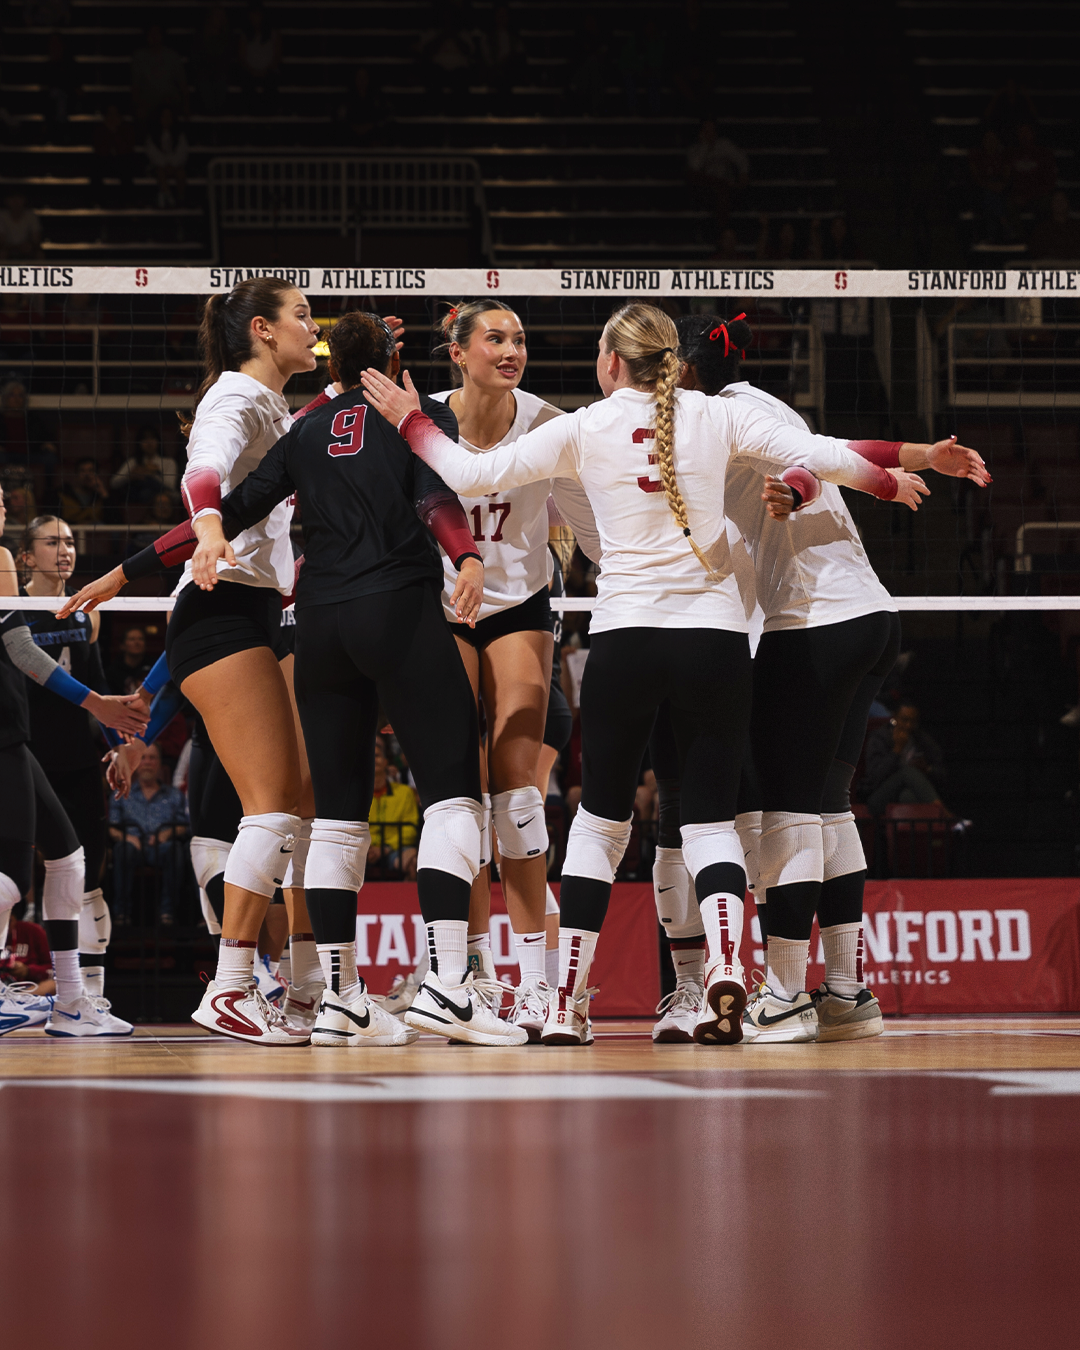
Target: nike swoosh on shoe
x=464 y=1014
x=766 y=1021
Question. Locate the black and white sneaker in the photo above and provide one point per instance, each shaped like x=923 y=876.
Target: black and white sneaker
x=770 y=1019
x=360 y=1023
x=463 y=1012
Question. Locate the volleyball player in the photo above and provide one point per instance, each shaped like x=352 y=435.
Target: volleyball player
x=831 y=632
x=668 y=620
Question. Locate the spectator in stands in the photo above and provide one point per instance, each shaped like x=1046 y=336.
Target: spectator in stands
x=775 y=248
x=26 y=439
x=20 y=229
x=19 y=507
x=167 y=150
x=989 y=165
x=840 y=245
x=1032 y=175
x=82 y=502
x=395 y=820
x=260 y=52
x=158 y=79
x=114 y=156
x=716 y=170
x=127 y=671
x=727 y=250
x=358 y=112
x=59 y=79
x=146 y=471
x=1058 y=237
x=26 y=957
x=146 y=827
x=161 y=516
x=215 y=55
x=903 y=762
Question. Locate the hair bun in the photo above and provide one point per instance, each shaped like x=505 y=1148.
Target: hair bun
x=740 y=333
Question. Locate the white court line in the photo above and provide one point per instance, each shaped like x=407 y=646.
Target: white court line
x=1028 y=1082
x=978 y=1031
x=426 y=1088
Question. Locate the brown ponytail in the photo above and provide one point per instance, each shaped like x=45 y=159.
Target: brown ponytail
x=225 y=331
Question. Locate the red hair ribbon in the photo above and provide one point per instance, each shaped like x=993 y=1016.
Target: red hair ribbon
x=714 y=336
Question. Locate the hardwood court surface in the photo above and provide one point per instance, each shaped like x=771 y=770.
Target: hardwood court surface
x=178 y=1190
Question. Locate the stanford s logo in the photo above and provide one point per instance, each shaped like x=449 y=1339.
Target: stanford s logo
x=840 y=281
x=493 y=280
x=142 y=276
x=349 y=425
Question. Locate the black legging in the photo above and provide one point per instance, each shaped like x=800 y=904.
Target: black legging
x=32 y=815
x=81 y=793
x=213 y=805
x=664 y=757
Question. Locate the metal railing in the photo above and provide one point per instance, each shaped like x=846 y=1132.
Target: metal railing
x=1042 y=372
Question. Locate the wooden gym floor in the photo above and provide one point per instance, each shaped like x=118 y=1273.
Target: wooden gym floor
x=179 y=1190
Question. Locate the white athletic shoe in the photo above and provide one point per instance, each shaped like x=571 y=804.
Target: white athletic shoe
x=680 y=1010
x=301 y=1006
x=86 y=1017
x=267 y=983
x=568 y=1019
x=530 y=1007
x=246 y=1016
x=20 y=1007
x=771 y=1019
x=847 y=1019
x=360 y=1022
x=719 y=1022
x=462 y=1012
x=402 y=992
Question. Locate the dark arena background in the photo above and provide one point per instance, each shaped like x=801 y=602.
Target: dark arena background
x=889 y=195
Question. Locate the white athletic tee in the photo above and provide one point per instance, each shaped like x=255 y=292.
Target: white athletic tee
x=649 y=575
x=510 y=527
x=237 y=421
x=811 y=569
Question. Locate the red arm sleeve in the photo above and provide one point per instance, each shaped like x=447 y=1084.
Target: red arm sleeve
x=201 y=491
x=445 y=517
x=886 y=454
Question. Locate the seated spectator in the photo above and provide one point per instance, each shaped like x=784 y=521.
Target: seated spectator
x=126 y=673
x=158 y=79
x=19 y=507
x=26 y=438
x=82 y=502
x=716 y=169
x=1058 y=237
x=26 y=958
x=114 y=156
x=775 y=248
x=20 y=229
x=146 y=827
x=260 y=52
x=1032 y=174
x=989 y=165
x=167 y=150
x=162 y=515
x=145 y=471
x=727 y=250
x=395 y=820
x=903 y=762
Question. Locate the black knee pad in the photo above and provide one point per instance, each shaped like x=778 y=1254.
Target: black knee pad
x=791 y=909
x=836 y=797
x=841 y=900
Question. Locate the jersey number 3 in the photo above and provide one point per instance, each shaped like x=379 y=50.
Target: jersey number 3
x=647 y=483
x=349 y=425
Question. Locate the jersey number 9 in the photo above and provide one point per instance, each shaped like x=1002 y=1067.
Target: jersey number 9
x=349 y=425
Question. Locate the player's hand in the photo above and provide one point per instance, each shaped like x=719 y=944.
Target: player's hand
x=397 y=328
x=122 y=712
x=212 y=548
x=94 y=594
x=957 y=461
x=469 y=592
x=387 y=398
x=778 y=498
x=121 y=764
x=910 y=488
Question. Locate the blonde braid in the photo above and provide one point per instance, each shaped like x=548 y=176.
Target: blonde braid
x=666 y=383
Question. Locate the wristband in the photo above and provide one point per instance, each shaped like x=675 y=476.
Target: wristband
x=803 y=483
x=67 y=686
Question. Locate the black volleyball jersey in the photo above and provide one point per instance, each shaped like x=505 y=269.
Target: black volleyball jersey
x=63 y=736
x=359 y=483
x=14 y=711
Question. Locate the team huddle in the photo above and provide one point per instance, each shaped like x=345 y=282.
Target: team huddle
x=433 y=533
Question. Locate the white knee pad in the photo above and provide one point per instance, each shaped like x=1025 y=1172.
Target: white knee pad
x=10 y=897
x=676 y=901
x=710 y=843
x=450 y=841
x=791 y=849
x=748 y=828
x=61 y=896
x=209 y=917
x=261 y=853
x=520 y=825
x=551 y=906
x=294 y=873
x=95 y=924
x=337 y=854
x=208 y=857
x=841 y=845
x=596 y=846
x=486 y=852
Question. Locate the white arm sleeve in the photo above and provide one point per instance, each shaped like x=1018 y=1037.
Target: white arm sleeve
x=551 y=451
x=576 y=509
x=223 y=427
x=758 y=434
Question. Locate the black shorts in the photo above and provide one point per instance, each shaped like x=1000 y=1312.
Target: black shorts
x=560 y=721
x=285 y=642
x=207 y=626
x=531 y=616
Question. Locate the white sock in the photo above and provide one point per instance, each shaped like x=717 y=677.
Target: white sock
x=338 y=961
x=576 y=947
x=787 y=965
x=306 y=967
x=551 y=967
x=688 y=958
x=235 y=964
x=275 y=966
x=285 y=965
x=843 y=945
x=69 y=985
x=722 y=919
x=93 y=978
x=448 y=949
x=531 y=955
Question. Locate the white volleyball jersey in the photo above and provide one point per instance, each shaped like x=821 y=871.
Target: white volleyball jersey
x=649 y=575
x=237 y=421
x=810 y=569
x=510 y=527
